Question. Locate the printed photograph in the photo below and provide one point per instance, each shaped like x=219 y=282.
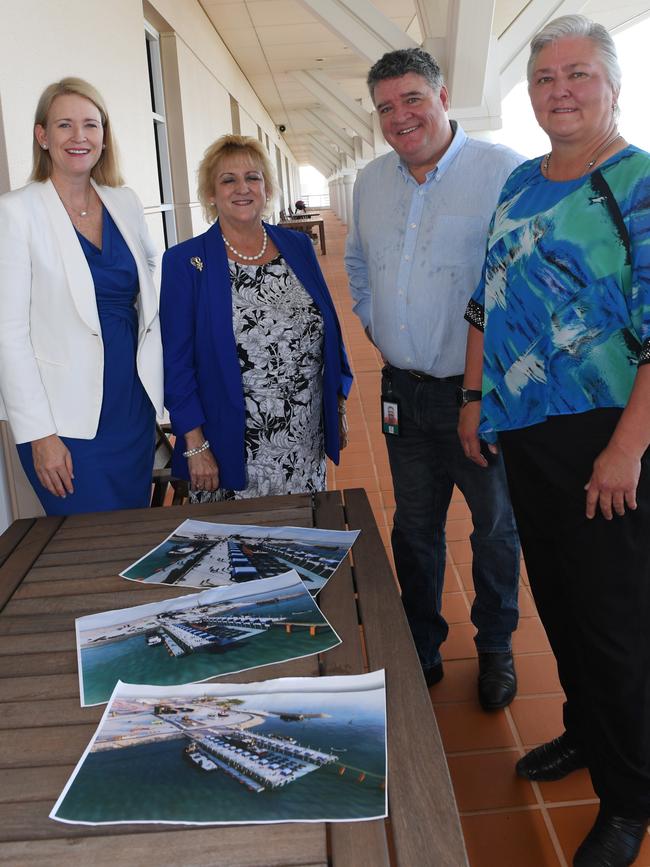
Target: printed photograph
x=286 y=750
x=198 y=637
x=202 y=554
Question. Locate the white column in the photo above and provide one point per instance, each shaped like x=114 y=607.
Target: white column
x=348 y=179
x=331 y=183
x=342 y=198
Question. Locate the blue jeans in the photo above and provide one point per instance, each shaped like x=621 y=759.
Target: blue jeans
x=426 y=461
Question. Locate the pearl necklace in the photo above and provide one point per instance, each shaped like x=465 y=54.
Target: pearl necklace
x=592 y=161
x=241 y=255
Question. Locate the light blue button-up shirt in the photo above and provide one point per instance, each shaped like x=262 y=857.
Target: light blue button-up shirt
x=415 y=251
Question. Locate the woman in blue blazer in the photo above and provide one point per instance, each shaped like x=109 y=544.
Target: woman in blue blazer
x=256 y=374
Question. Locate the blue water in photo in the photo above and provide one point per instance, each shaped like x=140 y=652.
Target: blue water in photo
x=154 y=781
x=132 y=661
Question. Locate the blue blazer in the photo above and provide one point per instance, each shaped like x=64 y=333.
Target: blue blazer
x=203 y=384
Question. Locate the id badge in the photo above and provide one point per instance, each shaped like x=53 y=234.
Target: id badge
x=390 y=416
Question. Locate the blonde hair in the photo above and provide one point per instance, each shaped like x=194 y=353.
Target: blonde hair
x=106 y=170
x=226 y=146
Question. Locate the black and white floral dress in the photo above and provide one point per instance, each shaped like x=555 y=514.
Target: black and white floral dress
x=279 y=336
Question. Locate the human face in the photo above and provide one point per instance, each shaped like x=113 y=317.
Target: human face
x=570 y=93
x=74 y=136
x=413 y=119
x=239 y=191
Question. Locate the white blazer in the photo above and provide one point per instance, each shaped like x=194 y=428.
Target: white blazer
x=51 y=349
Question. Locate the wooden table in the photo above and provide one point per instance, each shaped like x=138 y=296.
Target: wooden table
x=307 y=225
x=55 y=569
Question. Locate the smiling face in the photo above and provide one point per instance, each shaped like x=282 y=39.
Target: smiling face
x=413 y=118
x=570 y=93
x=73 y=136
x=239 y=191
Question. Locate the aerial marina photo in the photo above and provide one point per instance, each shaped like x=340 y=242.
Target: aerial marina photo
x=293 y=749
x=200 y=636
x=203 y=554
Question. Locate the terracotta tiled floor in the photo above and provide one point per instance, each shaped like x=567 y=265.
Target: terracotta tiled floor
x=507 y=822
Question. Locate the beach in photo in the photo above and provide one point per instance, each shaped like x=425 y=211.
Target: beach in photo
x=194 y=638
x=289 y=750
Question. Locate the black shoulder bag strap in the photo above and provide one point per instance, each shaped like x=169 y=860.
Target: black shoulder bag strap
x=602 y=188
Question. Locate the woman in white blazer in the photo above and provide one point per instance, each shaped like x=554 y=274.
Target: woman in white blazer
x=80 y=354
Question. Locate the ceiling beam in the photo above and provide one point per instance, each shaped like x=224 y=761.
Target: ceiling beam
x=432 y=19
x=334 y=98
x=469 y=27
x=324 y=169
x=361 y=26
x=323 y=151
x=340 y=138
x=515 y=41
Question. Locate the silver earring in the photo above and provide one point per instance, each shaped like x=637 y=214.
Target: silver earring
x=44 y=146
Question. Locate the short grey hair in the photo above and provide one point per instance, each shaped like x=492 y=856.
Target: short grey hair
x=576 y=26
x=394 y=64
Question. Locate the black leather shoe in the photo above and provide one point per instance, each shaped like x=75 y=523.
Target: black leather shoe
x=497 y=681
x=433 y=674
x=614 y=841
x=551 y=761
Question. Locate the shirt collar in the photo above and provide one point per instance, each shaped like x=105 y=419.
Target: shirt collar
x=457 y=142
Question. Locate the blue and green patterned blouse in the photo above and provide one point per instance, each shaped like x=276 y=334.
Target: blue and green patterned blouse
x=564 y=299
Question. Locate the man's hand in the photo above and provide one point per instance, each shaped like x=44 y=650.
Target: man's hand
x=468 y=421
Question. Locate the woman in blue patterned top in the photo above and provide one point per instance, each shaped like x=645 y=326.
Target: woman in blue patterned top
x=561 y=341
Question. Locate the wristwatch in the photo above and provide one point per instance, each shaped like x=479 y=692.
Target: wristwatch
x=467 y=395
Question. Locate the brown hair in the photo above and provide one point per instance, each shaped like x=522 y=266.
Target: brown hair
x=106 y=170
x=226 y=146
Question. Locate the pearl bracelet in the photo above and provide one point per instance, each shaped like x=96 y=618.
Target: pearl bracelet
x=197 y=451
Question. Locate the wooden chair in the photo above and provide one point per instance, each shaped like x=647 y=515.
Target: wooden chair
x=162 y=475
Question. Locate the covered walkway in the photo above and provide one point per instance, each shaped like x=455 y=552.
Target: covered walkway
x=507 y=822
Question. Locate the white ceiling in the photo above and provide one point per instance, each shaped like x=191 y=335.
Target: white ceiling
x=270 y=39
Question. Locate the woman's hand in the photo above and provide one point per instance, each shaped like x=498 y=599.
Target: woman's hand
x=613 y=482
x=469 y=417
x=53 y=465
x=204 y=473
x=343 y=424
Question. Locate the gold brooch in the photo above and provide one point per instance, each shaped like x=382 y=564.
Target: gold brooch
x=196 y=261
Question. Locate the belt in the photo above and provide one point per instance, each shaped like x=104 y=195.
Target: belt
x=426 y=377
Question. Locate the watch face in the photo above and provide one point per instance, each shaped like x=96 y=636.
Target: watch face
x=460 y=396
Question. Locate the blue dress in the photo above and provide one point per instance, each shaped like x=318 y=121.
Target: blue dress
x=112 y=470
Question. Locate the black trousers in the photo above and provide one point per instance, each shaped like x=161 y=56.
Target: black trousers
x=591 y=583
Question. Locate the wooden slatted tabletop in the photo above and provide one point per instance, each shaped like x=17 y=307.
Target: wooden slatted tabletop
x=55 y=569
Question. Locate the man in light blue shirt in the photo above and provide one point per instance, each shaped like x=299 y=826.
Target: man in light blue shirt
x=415 y=248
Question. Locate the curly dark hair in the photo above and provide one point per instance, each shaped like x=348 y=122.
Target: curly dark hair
x=397 y=63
